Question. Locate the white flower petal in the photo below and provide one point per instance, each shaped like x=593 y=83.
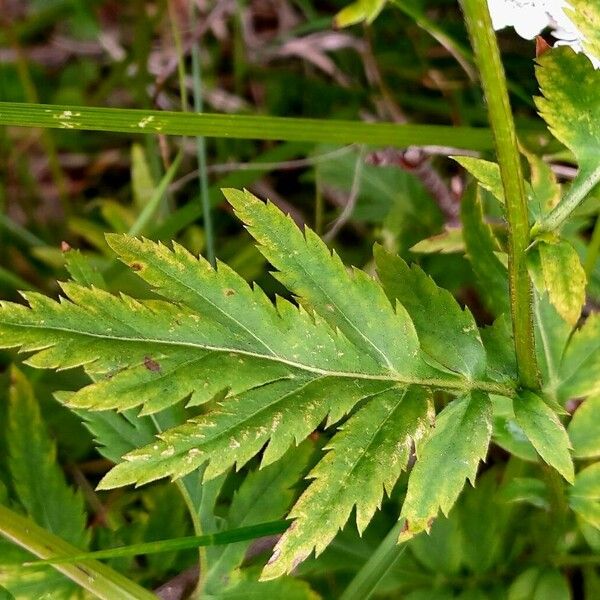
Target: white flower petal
x=530 y=17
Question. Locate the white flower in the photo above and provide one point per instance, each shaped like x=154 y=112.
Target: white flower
x=531 y=17
x=528 y=17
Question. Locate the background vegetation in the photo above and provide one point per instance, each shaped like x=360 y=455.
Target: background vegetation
x=62 y=189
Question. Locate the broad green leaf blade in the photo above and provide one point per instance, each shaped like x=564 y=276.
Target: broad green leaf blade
x=487 y=174
x=135 y=121
x=580 y=367
x=584 y=496
x=507 y=433
x=288 y=588
x=483 y=523
x=545 y=431
x=441 y=550
x=167 y=518
x=570 y=104
x=481 y=248
x=358 y=11
x=528 y=490
x=447 y=333
x=586 y=16
x=500 y=350
x=551 y=338
x=538 y=583
x=546 y=191
x=584 y=429
x=282 y=414
x=448 y=242
x=355 y=303
x=265 y=495
x=365 y=459
x=82 y=271
x=446 y=459
x=564 y=278
x=37 y=478
x=116 y=434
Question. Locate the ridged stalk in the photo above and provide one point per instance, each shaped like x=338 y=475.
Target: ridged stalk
x=493 y=81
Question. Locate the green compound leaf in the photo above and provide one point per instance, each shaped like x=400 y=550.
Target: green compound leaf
x=586 y=16
x=584 y=496
x=37 y=478
x=365 y=459
x=584 y=429
x=273 y=371
x=570 y=104
x=545 y=431
x=557 y=269
x=446 y=459
x=448 y=334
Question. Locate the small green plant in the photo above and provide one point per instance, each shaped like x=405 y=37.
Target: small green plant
x=204 y=373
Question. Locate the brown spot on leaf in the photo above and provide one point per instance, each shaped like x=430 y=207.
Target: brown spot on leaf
x=430 y=523
x=136 y=266
x=151 y=364
x=229 y=292
x=405 y=527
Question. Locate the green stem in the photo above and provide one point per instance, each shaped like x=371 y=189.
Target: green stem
x=367 y=579
x=96 y=578
x=493 y=80
x=577 y=193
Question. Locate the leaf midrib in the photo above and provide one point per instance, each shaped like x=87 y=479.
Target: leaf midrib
x=458 y=385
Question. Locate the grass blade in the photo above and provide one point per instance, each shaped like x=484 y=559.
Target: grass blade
x=240 y=126
x=365 y=582
x=98 y=579
x=184 y=543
